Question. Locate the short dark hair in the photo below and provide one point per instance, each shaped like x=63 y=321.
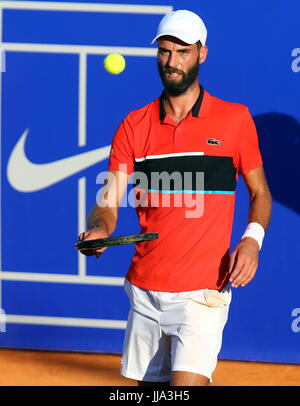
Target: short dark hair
x=199 y=45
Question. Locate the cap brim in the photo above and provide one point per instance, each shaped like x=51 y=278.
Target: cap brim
x=183 y=38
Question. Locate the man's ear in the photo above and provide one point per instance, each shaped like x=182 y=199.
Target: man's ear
x=203 y=54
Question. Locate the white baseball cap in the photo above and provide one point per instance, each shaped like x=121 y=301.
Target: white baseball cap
x=182 y=24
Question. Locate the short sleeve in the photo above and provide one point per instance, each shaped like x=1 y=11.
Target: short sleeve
x=121 y=156
x=248 y=155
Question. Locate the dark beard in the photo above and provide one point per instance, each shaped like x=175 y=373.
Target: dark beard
x=174 y=88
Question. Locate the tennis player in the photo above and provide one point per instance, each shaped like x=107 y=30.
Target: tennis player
x=179 y=286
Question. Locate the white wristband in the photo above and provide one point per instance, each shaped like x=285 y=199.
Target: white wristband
x=256 y=231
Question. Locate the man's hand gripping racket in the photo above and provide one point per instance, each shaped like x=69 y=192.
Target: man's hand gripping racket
x=94 y=242
x=90 y=235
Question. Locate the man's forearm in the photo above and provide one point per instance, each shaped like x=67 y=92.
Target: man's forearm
x=244 y=258
x=260 y=208
x=104 y=217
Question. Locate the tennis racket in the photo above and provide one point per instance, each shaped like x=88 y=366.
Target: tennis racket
x=111 y=241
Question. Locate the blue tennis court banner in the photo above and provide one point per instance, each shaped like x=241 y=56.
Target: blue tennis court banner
x=59 y=112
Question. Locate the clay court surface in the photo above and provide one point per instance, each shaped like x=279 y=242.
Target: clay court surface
x=39 y=368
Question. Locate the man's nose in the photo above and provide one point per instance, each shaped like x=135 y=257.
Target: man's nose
x=173 y=60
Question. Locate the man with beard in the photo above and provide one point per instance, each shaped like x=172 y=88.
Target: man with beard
x=179 y=285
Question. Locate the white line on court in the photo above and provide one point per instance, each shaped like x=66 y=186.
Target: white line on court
x=82 y=99
x=87 y=7
x=65 y=321
x=81 y=195
x=77 y=49
x=1 y=50
x=81 y=222
x=61 y=278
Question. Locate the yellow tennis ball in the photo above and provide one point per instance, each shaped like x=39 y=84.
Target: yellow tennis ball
x=114 y=63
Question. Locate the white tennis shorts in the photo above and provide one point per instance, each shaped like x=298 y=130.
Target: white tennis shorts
x=173 y=332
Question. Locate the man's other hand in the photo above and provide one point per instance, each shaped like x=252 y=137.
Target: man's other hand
x=243 y=262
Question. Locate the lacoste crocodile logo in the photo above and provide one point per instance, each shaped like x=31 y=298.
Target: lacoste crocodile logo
x=213 y=141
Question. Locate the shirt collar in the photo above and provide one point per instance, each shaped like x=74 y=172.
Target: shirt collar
x=199 y=109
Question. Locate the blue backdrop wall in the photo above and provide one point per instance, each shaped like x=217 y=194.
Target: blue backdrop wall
x=59 y=111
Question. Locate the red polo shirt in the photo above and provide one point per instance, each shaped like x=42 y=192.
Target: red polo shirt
x=192 y=212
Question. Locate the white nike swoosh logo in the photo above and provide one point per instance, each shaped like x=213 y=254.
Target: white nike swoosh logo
x=26 y=176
